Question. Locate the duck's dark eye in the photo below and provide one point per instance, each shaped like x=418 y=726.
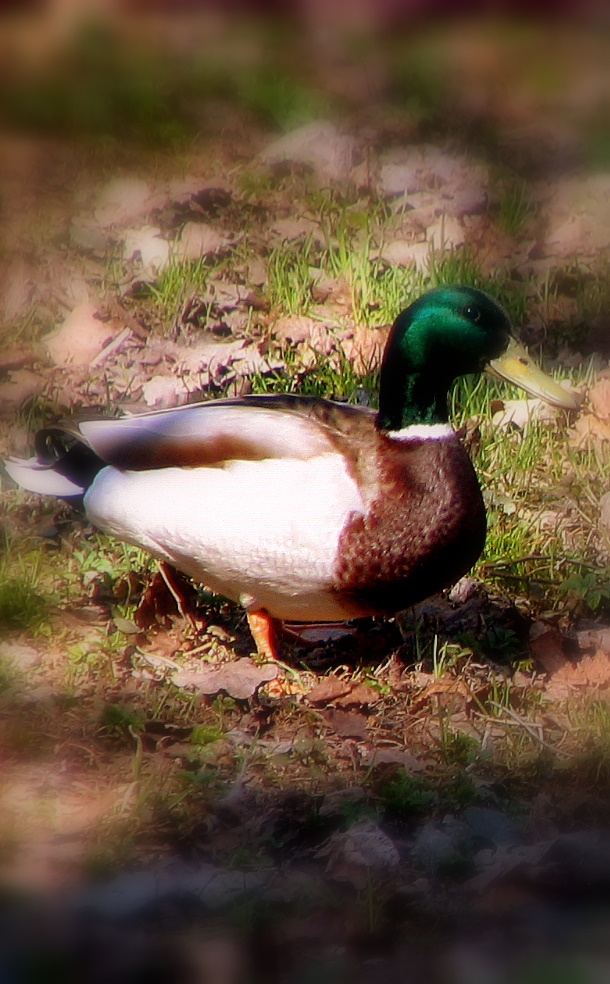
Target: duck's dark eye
x=472 y=312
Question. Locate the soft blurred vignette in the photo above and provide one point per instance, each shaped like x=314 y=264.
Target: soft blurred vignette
x=90 y=91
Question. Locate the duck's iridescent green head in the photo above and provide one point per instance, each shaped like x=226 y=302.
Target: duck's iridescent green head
x=448 y=332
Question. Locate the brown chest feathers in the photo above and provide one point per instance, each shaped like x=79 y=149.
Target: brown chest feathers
x=425 y=527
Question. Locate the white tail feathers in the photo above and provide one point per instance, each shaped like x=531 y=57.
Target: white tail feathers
x=34 y=477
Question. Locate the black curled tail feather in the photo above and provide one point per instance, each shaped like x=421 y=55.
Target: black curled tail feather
x=67 y=455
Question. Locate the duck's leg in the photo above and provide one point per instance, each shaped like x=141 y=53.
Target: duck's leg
x=264 y=633
x=262 y=627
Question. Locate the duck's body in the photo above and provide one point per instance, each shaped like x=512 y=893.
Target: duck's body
x=358 y=523
x=298 y=507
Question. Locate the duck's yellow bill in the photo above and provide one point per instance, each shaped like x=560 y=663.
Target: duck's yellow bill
x=517 y=366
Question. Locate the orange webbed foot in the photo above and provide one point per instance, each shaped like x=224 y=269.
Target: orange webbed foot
x=263 y=630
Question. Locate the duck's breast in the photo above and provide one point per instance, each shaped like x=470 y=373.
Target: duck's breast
x=424 y=529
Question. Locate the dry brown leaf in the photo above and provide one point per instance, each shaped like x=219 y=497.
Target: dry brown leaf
x=469 y=201
x=79 y=339
x=392 y=755
x=156 y=605
x=162 y=601
x=15 y=358
x=201 y=356
x=447 y=686
x=328 y=689
x=225 y=295
x=346 y=723
x=418 y=678
x=124 y=200
x=240 y=678
x=282 y=687
x=599 y=396
x=251 y=360
x=399 y=179
x=319 y=144
x=166 y=643
x=18 y=388
x=400 y=252
x=327 y=289
x=164 y=391
x=521 y=412
x=364 y=346
x=595 y=638
x=568 y=238
x=342 y=693
x=360 y=694
x=588 y=430
x=592 y=672
x=199 y=239
x=446 y=232
x=290 y=229
x=293 y=328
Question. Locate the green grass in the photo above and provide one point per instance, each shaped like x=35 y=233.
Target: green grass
x=26 y=593
x=121 y=719
x=175 y=284
x=289 y=279
x=22 y=606
x=405 y=796
x=205 y=734
x=331 y=378
x=514 y=207
x=22 y=330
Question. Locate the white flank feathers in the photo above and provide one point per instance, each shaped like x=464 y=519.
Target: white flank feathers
x=422 y=432
x=266 y=530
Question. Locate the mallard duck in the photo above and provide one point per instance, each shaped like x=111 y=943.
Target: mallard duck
x=299 y=508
